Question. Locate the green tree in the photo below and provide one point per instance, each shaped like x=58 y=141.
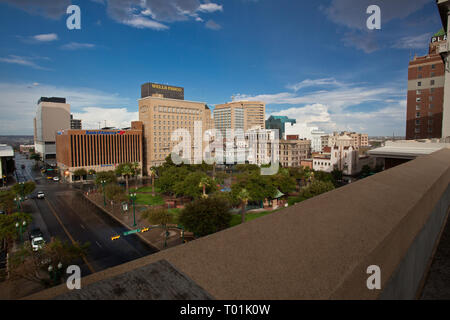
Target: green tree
x=244 y=197
x=115 y=192
x=7 y=203
x=33 y=266
x=8 y=229
x=193 y=184
x=337 y=174
x=169 y=176
x=23 y=189
x=108 y=176
x=205 y=216
x=80 y=173
x=259 y=187
x=283 y=181
x=152 y=174
x=125 y=170
x=365 y=171
x=36 y=157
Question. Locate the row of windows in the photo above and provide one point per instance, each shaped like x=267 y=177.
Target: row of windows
x=432 y=82
x=94 y=150
x=176 y=110
x=422 y=91
x=433 y=66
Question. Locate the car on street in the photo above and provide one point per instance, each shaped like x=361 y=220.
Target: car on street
x=36 y=239
x=40 y=195
x=55 y=178
x=2 y=212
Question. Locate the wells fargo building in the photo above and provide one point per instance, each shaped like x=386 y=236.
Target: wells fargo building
x=162 y=110
x=99 y=150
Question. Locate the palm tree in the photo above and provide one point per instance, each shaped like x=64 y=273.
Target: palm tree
x=125 y=170
x=243 y=197
x=136 y=170
x=152 y=174
x=204 y=182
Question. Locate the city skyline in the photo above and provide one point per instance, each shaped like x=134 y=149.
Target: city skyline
x=302 y=64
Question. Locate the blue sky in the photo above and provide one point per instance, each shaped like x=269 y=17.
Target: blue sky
x=312 y=60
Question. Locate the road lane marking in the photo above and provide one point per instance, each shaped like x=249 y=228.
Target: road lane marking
x=68 y=233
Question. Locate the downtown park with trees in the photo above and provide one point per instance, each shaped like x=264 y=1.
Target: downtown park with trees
x=204 y=199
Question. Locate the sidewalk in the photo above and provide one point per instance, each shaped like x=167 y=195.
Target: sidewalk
x=154 y=237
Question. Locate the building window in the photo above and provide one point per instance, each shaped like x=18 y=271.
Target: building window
x=432 y=90
x=418 y=107
x=433 y=74
x=432 y=82
x=431 y=105
x=433 y=66
x=419 y=84
x=418 y=115
x=418 y=99
x=419 y=92
x=417 y=122
x=417 y=130
x=419 y=68
x=420 y=76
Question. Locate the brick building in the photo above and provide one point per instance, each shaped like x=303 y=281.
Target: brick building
x=426 y=93
x=99 y=150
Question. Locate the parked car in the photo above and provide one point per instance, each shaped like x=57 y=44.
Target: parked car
x=2 y=212
x=40 y=195
x=36 y=239
x=22 y=166
x=55 y=178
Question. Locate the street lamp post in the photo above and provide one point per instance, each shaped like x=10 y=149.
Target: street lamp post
x=19 y=228
x=55 y=274
x=103 y=182
x=133 y=198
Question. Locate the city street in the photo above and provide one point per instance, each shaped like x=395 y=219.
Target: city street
x=67 y=215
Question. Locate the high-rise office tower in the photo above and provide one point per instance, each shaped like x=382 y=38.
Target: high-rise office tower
x=52 y=115
x=243 y=115
x=163 y=110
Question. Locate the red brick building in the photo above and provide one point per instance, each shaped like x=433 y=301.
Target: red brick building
x=426 y=93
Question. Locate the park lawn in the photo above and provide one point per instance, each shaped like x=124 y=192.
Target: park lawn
x=148 y=189
x=148 y=199
x=236 y=219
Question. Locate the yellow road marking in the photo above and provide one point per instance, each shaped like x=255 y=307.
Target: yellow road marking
x=68 y=234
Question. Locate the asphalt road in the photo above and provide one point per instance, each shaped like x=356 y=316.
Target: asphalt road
x=67 y=215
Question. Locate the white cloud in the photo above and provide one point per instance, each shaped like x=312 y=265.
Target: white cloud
x=143 y=22
x=213 y=25
x=77 y=46
x=314 y=83
x=23 y=61
x=385 y=121
x=210 y=7
x=46 y=37
x=336 y=107
x=19 y=101
x=413 y=42
x=93 y=118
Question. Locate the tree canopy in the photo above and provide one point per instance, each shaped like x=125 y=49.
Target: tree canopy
x=205 y=216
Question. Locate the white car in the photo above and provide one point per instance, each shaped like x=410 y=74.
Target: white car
x=55 y=179
x=37 y=243
x=40 y=195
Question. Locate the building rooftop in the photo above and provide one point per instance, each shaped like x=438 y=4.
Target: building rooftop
x=408 y=149
x=317 y=249
x=6 y=151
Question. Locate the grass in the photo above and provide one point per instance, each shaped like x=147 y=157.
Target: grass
x=148 y=199
x=236 y=219
x=148 y=189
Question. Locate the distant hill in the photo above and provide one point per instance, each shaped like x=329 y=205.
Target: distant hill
x=16 y=141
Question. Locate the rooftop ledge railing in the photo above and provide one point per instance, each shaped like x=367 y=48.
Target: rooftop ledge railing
x=321 y=248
